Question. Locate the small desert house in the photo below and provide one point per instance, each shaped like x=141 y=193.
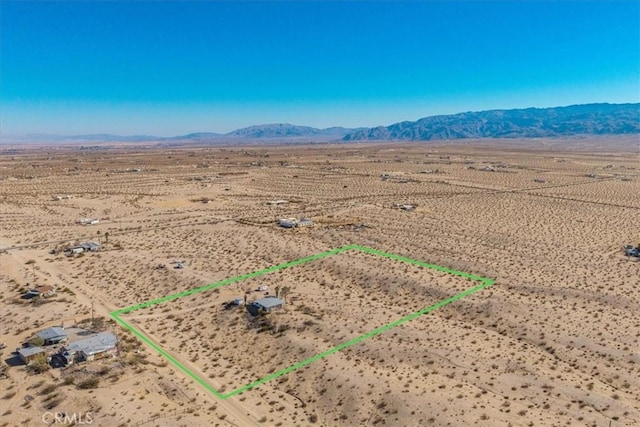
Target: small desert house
x=288 y=222
x=73 y=250
x=266 y=304
x=29 y=354
x=53 y=335
x=101 y=345
x=40 y=291
x=82 y=247
x=45 y=290
x=295 y=222
x=88 y=221
x=90 y=246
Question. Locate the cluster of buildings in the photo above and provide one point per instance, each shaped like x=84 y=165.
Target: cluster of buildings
x=82 y=247
x=100 y=345
x=40 y=291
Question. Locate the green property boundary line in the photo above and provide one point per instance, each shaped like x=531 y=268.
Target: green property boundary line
x=484 y=283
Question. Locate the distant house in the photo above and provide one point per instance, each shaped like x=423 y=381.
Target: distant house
x=288 y=222
x=53 y=335
x=73 y=250
x=266 y=304
x=90 y=246
x=89 y=221
x=82 y=247
x=45 y=290
x=277 y=202
x=295 y=222
x=305 y=222
x=629 y=250
x=29 y=354
x=103 y=344
x=40 y=291
x=404 y=207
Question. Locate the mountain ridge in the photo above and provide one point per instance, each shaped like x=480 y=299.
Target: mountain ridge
x=583 y=119
x=572 y=120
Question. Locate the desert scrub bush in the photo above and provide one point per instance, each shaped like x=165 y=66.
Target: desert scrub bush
x=49 y=388
x=89 y=383
x=39 y=365
x=36 y=342
x=8 y=395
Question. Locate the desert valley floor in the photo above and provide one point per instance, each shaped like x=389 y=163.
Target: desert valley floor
x=554 y=342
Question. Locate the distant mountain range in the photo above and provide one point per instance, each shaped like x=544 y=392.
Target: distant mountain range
x=286 y=131
x=587 y=119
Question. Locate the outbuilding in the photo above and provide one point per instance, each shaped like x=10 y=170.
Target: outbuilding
x=29 y=354
x=266 y=304
x=53 y=335
x=90 y=246
x=74 y=250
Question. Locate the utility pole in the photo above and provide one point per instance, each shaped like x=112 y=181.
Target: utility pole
x=92 y=322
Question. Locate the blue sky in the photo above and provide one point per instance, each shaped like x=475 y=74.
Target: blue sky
x=165 y=68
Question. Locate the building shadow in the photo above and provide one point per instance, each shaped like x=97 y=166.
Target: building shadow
x=14 y=360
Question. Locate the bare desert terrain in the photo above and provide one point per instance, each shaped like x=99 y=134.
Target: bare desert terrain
x=554 y=342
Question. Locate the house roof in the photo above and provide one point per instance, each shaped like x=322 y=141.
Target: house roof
x=90 y=245
x=269 y=302
x=30 y=351
x=104 y=341
x=52 y=333
x=44 y=289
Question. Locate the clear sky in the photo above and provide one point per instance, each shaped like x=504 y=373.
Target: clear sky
x=168 y=68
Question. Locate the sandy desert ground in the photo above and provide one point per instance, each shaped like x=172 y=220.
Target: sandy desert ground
x=554 y=342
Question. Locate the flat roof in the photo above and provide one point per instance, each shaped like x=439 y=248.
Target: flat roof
x=30 y=351
x=52 y=332
x=269 y=302
x=104 y=341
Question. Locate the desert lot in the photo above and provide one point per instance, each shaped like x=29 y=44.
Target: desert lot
x=554 y=342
